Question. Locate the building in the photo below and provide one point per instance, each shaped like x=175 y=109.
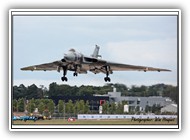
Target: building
x=139 y=102
x=133 y=103
x=169 y=108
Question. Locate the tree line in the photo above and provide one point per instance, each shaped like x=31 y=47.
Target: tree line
x=47 y=107
x=43 y=105
x=42 y=92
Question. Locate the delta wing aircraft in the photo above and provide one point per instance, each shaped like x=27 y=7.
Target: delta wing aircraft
x=80 y=64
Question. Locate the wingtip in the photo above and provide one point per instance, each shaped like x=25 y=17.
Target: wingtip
x=25 y=68
x=159 y=70
x=168 y=70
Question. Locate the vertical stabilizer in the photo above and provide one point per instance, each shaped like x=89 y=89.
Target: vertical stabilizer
x=96 y=51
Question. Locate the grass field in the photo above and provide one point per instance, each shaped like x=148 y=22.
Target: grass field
x=93 y=122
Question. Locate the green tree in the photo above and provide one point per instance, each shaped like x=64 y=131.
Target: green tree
x=51 y=106
x=19 y=91
x=63 y=90
x=86 y=90
x=69 y=107
x=21 y=105
x=15 y=105
x=52 y=89
x=61 y=106
x=105 y=108
x=86 y=108
x=121 y=88
x=43 y=91
x=105 y=89
x=81 y=106
x=33 y=92
x=41 y=107
x=172 y=92
x=120 y=108
x=77 y=107
x=37 y=102
x=31 y=106
x=74 y=91
x=156 y=109
x=112 y=108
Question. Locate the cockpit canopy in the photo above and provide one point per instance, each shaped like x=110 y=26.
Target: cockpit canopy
x=72 y=50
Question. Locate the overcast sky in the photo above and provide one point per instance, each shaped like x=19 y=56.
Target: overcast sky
x=137 y=40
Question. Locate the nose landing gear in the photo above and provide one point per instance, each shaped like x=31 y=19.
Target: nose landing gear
x=65 y=68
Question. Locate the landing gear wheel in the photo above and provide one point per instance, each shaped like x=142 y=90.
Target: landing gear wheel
x=64 y=79
x=75 y=74
x=107 y=79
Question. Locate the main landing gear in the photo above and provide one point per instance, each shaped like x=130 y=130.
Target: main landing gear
x=107 y=79
x=75 y=73
x=64 y=78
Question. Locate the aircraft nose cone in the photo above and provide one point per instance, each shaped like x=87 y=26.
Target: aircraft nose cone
x=65 y=56
x=69 y=57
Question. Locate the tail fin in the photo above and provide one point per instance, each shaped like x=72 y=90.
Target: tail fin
x=96 y=51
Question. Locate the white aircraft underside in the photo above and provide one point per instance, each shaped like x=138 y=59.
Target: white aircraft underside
x=80 y=64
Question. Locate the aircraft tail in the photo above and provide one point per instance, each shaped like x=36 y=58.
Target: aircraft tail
x=96 y=51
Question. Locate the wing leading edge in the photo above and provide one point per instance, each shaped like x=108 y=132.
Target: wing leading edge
x=125 y=67
x=57 y=66
x=44 y=67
